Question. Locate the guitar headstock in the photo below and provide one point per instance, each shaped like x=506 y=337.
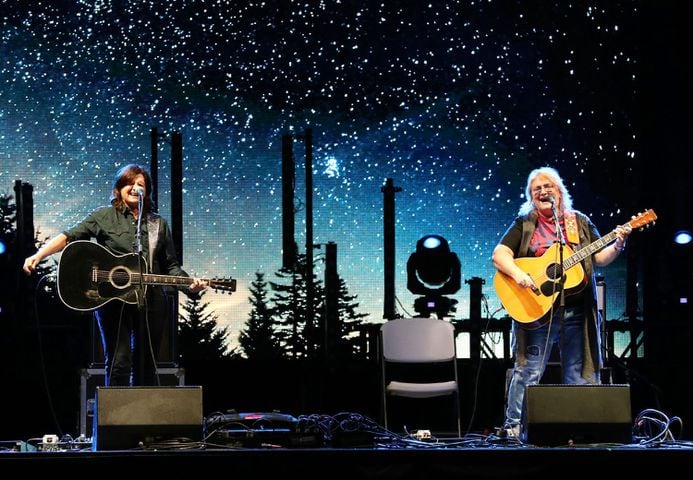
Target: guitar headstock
x=643 y=219
x=223 y=284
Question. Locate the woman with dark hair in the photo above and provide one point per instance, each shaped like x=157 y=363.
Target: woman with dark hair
x=131 y=329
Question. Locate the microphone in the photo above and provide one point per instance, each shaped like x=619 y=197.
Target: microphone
x=550 y=198
x=139 y=190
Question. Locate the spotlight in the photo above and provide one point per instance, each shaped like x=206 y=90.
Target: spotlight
x=433 y=271
x=683 y=237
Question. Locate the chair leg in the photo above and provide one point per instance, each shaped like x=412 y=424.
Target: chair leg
x=384 y=410
x=457 y=416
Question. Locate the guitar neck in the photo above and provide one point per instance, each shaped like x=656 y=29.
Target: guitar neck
x=152 y=279
x=593 y=247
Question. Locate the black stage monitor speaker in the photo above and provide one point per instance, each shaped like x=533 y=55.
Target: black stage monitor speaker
x=577 y=414
x=132 y=417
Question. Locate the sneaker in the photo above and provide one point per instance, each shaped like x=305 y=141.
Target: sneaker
x=510 y=432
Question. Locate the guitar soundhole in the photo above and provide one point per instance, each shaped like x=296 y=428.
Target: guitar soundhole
x=552 y=286
x=120 y=277
x=554 y=271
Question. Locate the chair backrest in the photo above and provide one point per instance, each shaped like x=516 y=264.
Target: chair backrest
x=418 y=340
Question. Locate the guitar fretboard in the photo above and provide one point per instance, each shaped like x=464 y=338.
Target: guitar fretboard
x=122 y=277
x=594 y=247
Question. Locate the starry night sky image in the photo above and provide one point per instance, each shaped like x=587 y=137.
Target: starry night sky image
x=456 y=101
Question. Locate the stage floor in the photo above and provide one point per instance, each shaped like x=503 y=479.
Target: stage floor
x=472 y=457
x=354 y=446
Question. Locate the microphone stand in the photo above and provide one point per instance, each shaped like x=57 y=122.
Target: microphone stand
x=561 y=280
x=141 y=302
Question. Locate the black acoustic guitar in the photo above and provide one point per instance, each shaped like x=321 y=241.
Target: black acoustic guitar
x=89 y=276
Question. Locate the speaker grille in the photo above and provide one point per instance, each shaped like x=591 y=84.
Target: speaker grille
x=564 y=414
x=129 y=417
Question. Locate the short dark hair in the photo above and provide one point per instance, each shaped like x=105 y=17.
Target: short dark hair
x=126 y=175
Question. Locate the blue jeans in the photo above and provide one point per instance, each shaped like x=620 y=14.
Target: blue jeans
x=539 y=341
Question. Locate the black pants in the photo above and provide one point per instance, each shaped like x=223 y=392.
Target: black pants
x=131 y=338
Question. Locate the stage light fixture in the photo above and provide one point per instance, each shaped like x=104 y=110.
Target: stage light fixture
x=683 y=237
x=433 y=271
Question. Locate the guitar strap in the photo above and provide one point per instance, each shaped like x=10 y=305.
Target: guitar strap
x=571 y=228
x=153 y=231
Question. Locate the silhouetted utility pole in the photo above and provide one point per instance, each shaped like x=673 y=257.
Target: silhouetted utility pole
x=332 y=327
x=176 y=143
x=177 y=192
x=288 y=243
x=475 y=294
x=310 y=287
x=23 y=193
x=177 y=233
x=168 y=353
x=288 y=211
x=154 y=166
x=389 y=191
x=24 y=247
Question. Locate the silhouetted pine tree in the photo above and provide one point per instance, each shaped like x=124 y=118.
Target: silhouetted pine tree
x=258 y=339
x=289 y=312
x=349 y=321
x=199 y=335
